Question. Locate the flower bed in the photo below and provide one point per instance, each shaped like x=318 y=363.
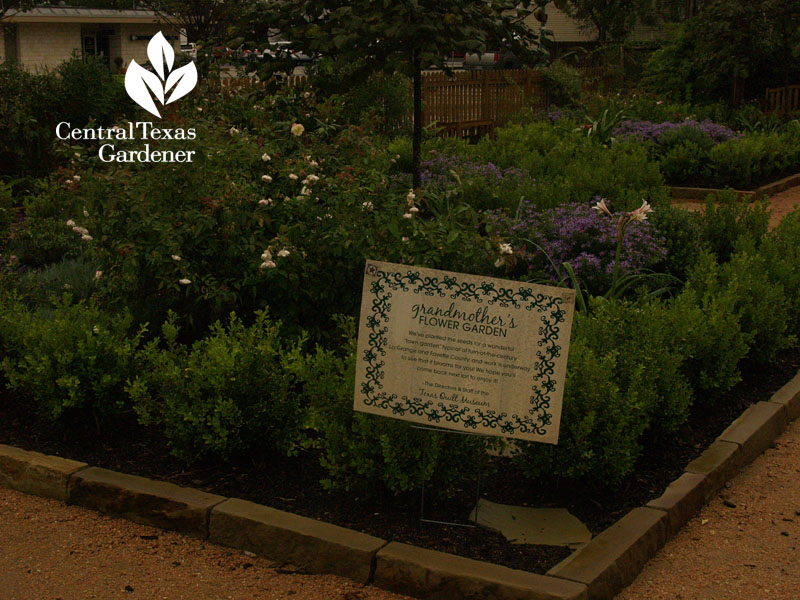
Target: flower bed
x=209 y=309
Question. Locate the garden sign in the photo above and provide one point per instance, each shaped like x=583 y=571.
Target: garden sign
x=463 y=352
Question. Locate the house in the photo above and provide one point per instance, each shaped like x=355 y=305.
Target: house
x=568 y=33
x=43 y=37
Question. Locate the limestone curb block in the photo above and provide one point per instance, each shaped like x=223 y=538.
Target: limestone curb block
x=316 y=546
x=36 y=473
x=681 y=500
x=789 y=397
x=145 y=501
x=770 y=189
x=718 y=463
x=614 y=558
x=756 y=429
x=436 y=575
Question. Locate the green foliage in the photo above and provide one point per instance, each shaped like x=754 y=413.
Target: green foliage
x=569 y=167
x=382 y=103
x=73 y=360
x=680 y=230
x=365 y=453
x=714 y=341
x=754 y=159
x=563 y=84
x=32 y=105
x=72 y=275
x=682 y=164
x=43 y=236
x=761 y=305
x=726 y=222
x=229 y=393
x=781 y=252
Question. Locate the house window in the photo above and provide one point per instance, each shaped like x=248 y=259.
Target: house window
x=96 y=43
x=10 y=43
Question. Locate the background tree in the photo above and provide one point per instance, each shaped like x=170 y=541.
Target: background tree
x=9 y=7
x=404 y=35
x=202 y=21
x=612 y=20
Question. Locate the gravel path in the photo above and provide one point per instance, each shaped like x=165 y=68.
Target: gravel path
x=781 y=204
x=743 y=545
x=51 y=551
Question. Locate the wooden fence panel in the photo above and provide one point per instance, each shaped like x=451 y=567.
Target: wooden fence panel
x=473 y=103
x=783 y=100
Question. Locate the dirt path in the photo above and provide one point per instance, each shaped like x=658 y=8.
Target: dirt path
x=743 y=545
x=781 y=204
x=51 y=551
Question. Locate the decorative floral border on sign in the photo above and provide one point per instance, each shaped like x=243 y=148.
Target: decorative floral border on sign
x=538 y=417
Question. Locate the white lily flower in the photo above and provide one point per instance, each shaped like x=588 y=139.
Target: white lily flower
x=266 y=179
x=601 y=207
x=266 y=157
x=86 y=238
x=70 y=223
x=268 y=264
x=175 y=257
x=293 y=177
x=184 y=281
x=283 y=253
x=506 y=249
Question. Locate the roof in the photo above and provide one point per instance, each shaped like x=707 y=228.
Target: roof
x=69 y=14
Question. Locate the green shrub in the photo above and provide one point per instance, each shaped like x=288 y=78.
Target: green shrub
x=229 y=393
x=44 y=237
x=32 y=105
x=781 y=252
x=682 y=164
x=563 y=84
x=624 y=381
x=72 y=275
x=714 y=342
x=761 y=305
x=600 y=424
x=73 y=360
x=365 y=453
x=727 y=222
x=680 y=230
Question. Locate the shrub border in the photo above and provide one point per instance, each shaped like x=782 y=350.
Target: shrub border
x=596 y=571
x=693 y=193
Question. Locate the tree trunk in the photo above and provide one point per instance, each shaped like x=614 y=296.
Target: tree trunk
x=416 y=144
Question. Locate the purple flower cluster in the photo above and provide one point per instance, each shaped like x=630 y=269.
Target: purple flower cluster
x=436 y=170
x=647 y=131
x=576 y=234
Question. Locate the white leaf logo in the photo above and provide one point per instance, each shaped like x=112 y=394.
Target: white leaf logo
x=139 y=82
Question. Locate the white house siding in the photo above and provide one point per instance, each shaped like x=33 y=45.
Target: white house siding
x=45 y=45
x=563 y=27
x=566 y=29
x=137 y=49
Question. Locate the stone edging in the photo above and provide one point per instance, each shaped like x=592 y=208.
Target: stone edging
x=693 y=193
x=596 y=571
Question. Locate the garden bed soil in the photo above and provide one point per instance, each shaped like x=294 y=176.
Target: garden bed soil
x=292 y=484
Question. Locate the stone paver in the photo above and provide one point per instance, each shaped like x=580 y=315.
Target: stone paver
x=743 y=545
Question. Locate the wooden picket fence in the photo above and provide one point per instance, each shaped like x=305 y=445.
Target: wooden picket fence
x=472 y=103
x=782 y=100
x=466 y=104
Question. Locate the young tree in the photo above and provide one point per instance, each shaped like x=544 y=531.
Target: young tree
x=405 y=35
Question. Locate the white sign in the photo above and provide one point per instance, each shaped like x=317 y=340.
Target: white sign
x=463 y=352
